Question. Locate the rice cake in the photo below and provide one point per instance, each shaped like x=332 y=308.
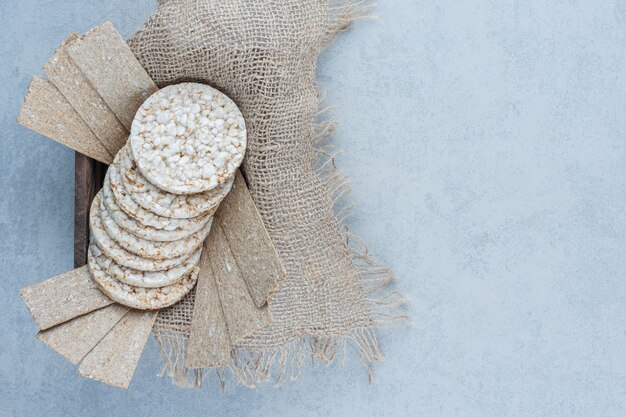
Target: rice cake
x=148 y=248
x=147 y=279
x=143 y=216
x=188 y=138
x=135 y=227
x=163 y=203
x=111 y=249
x=139 y=297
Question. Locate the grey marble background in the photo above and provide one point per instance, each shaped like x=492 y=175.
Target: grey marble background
x=485 y=142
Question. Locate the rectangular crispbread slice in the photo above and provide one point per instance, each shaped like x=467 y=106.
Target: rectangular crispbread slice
x=47 y=111
x=84 y=98
x=250 y=243
x=75 y=338
x=242 y=315
x=63 y=297
x=209 y=343
x=114 y=359
x=107 y=62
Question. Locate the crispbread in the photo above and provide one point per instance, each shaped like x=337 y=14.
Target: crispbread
x=148 y=248
x=139 y=297
x=121 y=256
x=84 y=98
x=250 y=243
x=147 y=279
x=163 y=203
x=242 y=315
x=54 y=301
x=114 y=358
x=47 y=111
x=209 y=341
x=75 y=338
x=105 y=59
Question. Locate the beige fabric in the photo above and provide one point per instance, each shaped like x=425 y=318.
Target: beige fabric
x=263 y=55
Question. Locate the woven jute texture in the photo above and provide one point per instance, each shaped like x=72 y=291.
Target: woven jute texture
x=263 y=55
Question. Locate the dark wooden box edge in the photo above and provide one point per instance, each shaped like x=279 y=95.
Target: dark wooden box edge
x=88 y=180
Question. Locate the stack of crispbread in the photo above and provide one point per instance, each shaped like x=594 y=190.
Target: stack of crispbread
x=156 y=207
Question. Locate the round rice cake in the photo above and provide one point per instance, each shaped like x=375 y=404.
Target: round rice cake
x=163 y=203
x=143 y=216
x=146 y=279
x=120 y=255
x=188 y=138
x=139 y=297
x=148 y=248
x=135 y=227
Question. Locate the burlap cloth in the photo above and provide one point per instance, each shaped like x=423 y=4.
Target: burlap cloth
x=263 y=54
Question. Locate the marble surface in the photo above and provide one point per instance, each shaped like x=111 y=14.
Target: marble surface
x=485 y=142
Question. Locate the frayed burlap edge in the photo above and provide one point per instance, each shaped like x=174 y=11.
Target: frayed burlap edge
x=249 y=367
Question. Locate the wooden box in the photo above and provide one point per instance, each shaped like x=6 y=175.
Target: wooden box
x=88 y=179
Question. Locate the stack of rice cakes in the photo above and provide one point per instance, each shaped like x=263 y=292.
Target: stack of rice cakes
x=156 y=207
